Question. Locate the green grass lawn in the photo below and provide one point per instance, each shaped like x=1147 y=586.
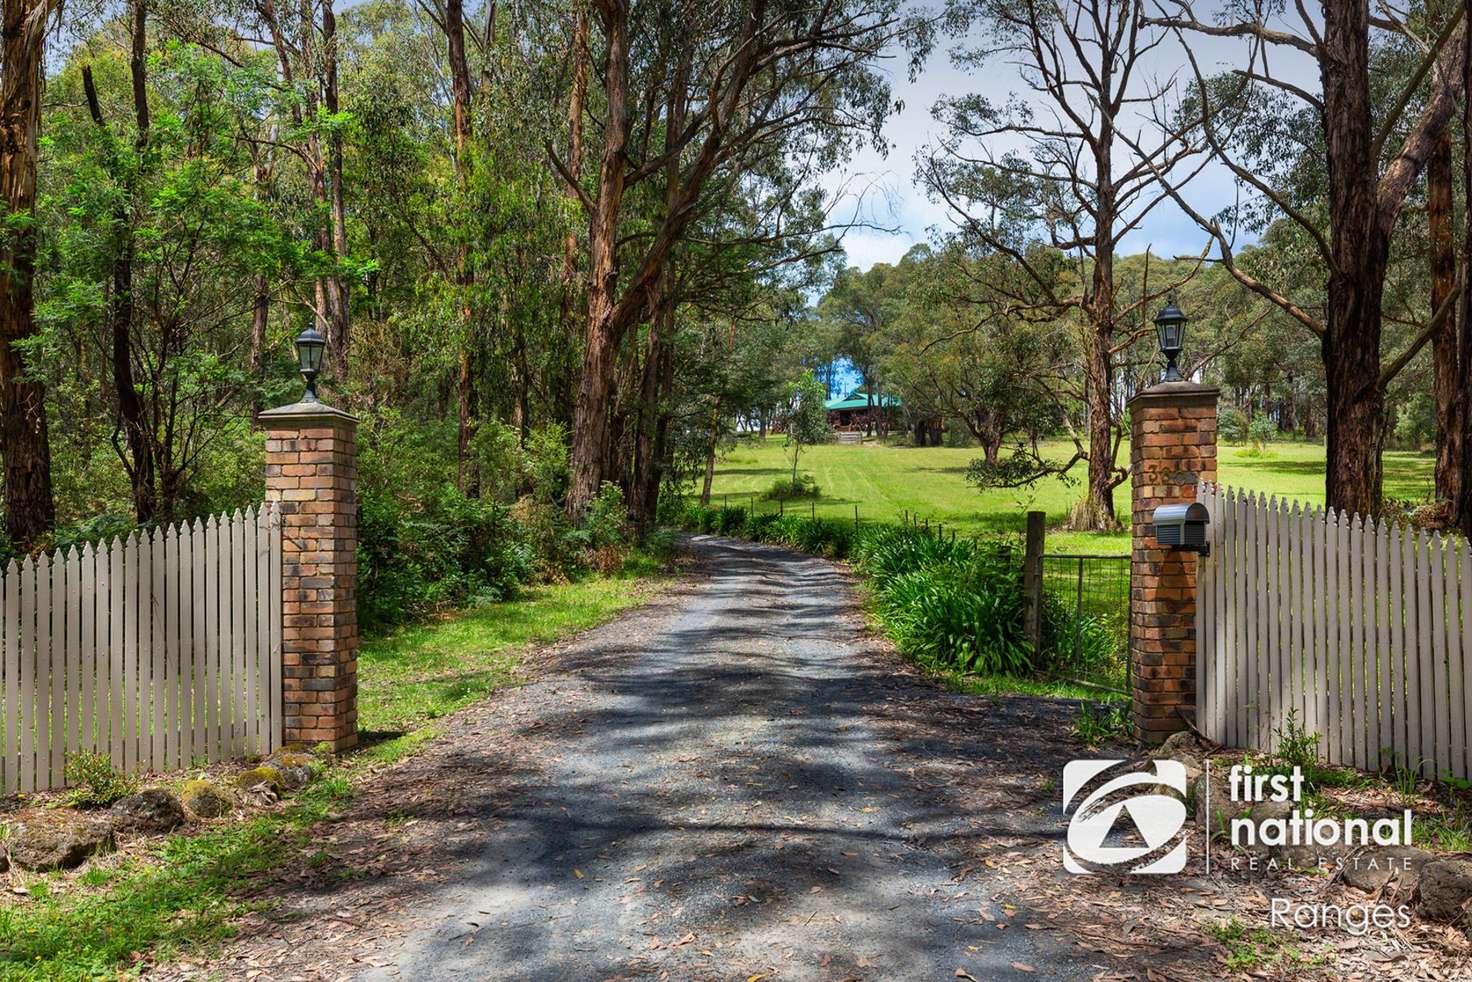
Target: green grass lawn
x=190 y=889
x=886 y=481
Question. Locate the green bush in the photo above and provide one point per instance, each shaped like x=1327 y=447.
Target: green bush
x=1081 y=642
x=949 y=604
x=446 y=551
x=786 y=489
x=1232 y=424
x=95 y=783
x=731 y=521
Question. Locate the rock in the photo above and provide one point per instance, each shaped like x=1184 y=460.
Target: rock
x=264 y=776
x=58 y=839
x=152 y=811
x=1223 y=808
x=1371 y=869
x=1446 y=886
x=1306 y=857
x=1185 y=748
x=204 y=800
x=294 y=769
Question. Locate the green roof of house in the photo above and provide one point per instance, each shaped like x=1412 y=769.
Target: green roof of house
x=859 y=399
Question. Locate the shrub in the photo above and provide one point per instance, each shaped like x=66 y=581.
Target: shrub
x=1261 y=431
x=1081 y=642
x=96 y=783
x=1232 y=424
x=786 y=489
x=443 y=551
x=730 y=521
x=606 y=518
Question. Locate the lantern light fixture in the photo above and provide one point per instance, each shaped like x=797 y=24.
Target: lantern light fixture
x=309 y=348
x=1170 y=332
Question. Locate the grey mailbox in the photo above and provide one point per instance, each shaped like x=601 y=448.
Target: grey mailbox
x=1182 y=527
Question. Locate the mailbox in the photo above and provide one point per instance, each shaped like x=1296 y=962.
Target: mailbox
x=1182 y=527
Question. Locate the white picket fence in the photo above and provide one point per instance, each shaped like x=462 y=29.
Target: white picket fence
x=160 y=650
x=1361 y=630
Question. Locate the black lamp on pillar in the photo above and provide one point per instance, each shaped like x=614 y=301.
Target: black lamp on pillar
x=1170 y=331
x=309 y=347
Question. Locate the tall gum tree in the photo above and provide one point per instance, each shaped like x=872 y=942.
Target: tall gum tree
x=1076 y=186
x=1373 y=160
x=30 y=509
x=759 y=74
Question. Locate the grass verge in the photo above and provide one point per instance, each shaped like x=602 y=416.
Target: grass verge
x=187 y=891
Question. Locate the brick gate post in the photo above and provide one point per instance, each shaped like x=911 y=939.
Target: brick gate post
x=1172 y=450
x=311 y=470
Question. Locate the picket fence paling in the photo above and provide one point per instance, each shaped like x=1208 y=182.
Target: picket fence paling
x=158 y=650
x=1360 y=630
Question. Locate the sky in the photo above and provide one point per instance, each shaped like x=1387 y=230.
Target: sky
x=881 y=188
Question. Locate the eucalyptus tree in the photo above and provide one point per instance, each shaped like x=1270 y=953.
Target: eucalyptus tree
x=1339 y=163
x=1076 y=186
x=30 y=509
x=693 y=93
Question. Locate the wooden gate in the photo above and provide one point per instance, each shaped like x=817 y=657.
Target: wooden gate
x=160 y=650
x=1359 y=630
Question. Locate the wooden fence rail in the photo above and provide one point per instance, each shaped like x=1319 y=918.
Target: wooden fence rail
x=1360 y=631
x=160 y=650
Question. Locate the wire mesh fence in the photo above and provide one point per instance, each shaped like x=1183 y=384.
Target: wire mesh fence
x=1092 y=593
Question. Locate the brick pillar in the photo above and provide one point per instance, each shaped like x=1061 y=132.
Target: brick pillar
x=311 y=469
x=1172 y=450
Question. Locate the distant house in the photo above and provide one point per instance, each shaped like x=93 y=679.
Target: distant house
x=853 y=413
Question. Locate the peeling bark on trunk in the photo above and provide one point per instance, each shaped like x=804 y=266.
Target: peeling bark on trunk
x=601 y=337
x=30 y=510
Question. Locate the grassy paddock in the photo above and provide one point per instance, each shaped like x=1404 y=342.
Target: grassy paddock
x=189 y=890
x=887 y=481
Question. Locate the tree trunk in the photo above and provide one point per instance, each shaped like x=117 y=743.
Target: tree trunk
x=1462 y=507
x=1095 y=511
x=465 y=396
x=30 y=510
x=563 y=390
x=600 y=339
x=710 y=455
x=1445 y=358
x=341 y=313
x=1359 y=249
x=646 y=479
x=139 y=458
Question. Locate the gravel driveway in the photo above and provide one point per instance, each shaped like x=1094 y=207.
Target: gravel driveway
x=720 y=805
x=738 y=781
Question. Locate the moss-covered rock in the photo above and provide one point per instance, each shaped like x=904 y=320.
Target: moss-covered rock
x=205 y=799
x=265 y=776
x=295 y=769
